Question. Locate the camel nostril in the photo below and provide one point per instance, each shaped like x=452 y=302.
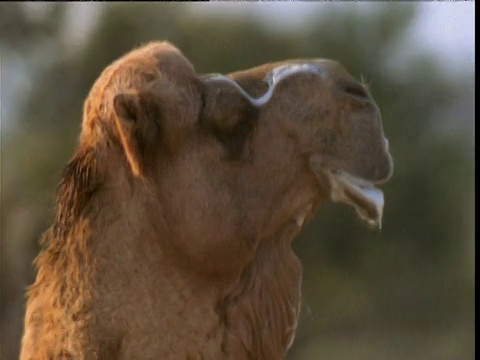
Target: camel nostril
x=354 y=89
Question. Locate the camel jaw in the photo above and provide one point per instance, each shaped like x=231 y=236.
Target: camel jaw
x=367 y=200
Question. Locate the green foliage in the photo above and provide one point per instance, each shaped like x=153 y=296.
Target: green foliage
x=409 y=274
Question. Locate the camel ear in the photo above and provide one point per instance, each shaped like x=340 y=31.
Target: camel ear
x=127 y=107
x=229 y=114
x=136 y=122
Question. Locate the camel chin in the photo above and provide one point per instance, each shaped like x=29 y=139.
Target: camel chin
x=367 y=200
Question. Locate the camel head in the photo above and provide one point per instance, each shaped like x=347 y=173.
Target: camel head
x=175 y=216
x=238 y=154
x=334 y=120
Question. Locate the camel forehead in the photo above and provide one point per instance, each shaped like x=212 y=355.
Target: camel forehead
x=290 y=69
x=326 y=68
x=275 y=73
x=281 y=72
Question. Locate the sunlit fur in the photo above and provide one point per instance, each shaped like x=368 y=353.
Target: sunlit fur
x=175 y=216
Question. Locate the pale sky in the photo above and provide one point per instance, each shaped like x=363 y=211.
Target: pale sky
x=446 y=28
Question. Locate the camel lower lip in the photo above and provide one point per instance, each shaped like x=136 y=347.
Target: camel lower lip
x=367 y=200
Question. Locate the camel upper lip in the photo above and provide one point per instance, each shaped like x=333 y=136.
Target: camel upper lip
x=367 y=200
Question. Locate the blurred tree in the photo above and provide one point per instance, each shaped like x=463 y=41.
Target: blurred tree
x=408 y=275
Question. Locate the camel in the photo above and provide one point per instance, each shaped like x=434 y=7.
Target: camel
x=175 y=216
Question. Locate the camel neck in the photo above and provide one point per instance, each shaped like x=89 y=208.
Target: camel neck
x=261 y=309
x=253 y=314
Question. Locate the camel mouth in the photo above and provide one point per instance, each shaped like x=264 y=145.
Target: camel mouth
x=367 y=200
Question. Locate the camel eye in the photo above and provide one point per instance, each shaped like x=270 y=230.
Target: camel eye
x=148 y=77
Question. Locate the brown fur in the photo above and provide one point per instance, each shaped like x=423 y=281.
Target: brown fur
x=175 y=216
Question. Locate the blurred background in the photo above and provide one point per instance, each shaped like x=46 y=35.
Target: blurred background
x=405 y=292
